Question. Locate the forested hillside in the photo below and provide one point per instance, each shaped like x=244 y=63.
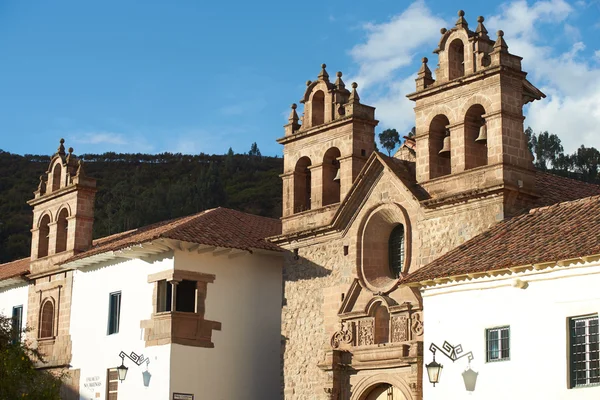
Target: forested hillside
x=139 y=189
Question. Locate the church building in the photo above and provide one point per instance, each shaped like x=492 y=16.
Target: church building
x=375 y=243
x=453 y=269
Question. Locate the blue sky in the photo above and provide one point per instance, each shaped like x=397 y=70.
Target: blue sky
x=196 y=76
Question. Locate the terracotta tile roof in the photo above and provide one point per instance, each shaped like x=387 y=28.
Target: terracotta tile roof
x=555 y=189
x=14 y=269
x=547 y=234
x=220 y=227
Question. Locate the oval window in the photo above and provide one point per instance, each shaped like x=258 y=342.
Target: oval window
x=396 y=250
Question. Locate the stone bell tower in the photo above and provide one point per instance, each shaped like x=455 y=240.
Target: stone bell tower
x=469 y=120
x=324 y=150
x=63 y=211
x=63 y=214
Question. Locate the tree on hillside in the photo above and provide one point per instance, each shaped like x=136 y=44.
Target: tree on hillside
x=389 y=139
x=18 y=377
x=254 y=151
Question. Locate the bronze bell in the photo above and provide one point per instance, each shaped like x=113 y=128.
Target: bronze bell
x=337 y=176
x=445 y=151
x=482 y=133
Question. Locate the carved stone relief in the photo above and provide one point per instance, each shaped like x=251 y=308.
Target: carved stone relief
x=365 y=332
x=416 y=324
x=344 y=336
x=399 y=328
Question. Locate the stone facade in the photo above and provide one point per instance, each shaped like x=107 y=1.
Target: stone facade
x=63 y=214
x=349 y=325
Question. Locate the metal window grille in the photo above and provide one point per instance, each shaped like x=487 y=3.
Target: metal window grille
x=114 y=313
x=584 y=351
x=396 y=250
x=497 y=344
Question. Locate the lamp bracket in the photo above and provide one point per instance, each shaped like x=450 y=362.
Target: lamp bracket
x=452 y=352
x=138 y=360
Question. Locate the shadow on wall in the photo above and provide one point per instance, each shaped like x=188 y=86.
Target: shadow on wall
x=297 y=268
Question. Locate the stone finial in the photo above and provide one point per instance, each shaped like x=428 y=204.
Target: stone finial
x=323 y=75
x=443 y=31
x=461 y=21
x=80 y=171
x=424 y=77
x=70 y=156
x=339 y=83
x=308 y=83
x=293 y=119
x=61 y=147
x=481 y=31
x=354 y=98
x=42 y=185
x=500 y=44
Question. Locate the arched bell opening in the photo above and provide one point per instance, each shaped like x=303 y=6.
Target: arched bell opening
x=439 y=147
x=476 y=151
x=302 y=185
x=56 y=174
x=456 y=59
x=331 y=176
x=318 y=108
x=44 y=236
x=62 y=226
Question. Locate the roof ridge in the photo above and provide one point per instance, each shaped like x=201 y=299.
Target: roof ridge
x=564 y=204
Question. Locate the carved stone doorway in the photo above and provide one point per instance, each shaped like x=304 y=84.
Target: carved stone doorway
x=383 y=391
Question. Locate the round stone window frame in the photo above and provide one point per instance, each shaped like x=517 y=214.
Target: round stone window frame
x=373 y=270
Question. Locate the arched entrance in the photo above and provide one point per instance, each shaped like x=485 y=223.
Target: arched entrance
x=381 y=387
x=384 y=391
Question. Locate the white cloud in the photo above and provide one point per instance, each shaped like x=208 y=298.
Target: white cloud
x=570 y=78
x=99 y=138
x=392 y=45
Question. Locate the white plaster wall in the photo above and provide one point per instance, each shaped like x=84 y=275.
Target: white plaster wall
x=94 y=351
x=246 y=299
x=14 y=295
x=538 y=319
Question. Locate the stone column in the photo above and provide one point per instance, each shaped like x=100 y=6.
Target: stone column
x=316 y=191
x=174 y=295
x=53 y=229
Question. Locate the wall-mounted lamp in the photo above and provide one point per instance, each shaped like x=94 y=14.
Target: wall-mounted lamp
x=434 y=369
x=138 y=360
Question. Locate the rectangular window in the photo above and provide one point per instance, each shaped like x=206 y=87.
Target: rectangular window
x=186 y=296
x=114 y=312
x=584 y=351
x=164 y=295
x=17 y=323
x=497 y=344
x=112 y=384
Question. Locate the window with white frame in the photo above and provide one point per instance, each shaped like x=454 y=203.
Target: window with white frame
x=497 y=344
x=584 y=351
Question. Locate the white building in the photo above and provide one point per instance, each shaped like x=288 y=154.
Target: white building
x=190 y=306
x=523 y=299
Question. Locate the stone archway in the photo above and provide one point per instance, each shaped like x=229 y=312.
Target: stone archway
x=382 y=387
x=384 y=391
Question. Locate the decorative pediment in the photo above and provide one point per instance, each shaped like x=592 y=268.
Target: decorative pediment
x=377 y=165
